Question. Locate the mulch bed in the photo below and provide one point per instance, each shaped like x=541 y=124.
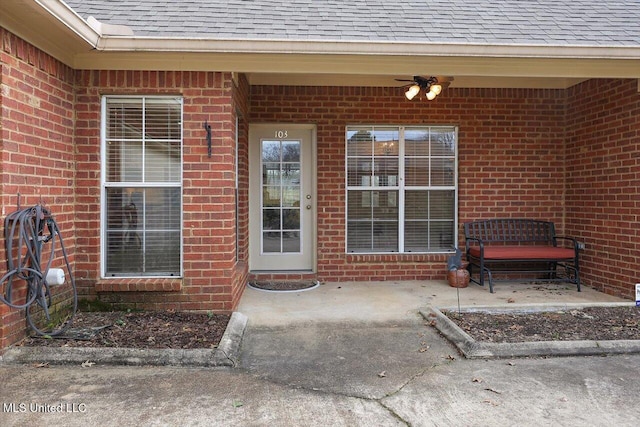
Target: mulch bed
x=144 y=329
x=592 y=323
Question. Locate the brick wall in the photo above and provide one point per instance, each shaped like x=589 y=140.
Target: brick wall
x=36 y=137
x=511 y=159
x=213 y=277
x=603 y=181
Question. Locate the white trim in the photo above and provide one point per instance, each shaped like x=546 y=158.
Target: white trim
x=67 y=16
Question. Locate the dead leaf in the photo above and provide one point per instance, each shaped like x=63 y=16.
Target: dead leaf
x=382 y=374
x=450 y=357
x=477 y=380
x=511 y=364
x=423 y=349
x=87 y=364
x=511 y=300
x=41 y=365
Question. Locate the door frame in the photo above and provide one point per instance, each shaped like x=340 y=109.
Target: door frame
x=256 y=133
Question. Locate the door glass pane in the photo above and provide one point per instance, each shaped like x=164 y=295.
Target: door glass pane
x=281 y=196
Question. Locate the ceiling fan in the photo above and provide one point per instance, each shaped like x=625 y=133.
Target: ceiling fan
x=432 y=86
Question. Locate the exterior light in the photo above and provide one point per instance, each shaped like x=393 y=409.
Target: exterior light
x=431 y=86
x=412 y=91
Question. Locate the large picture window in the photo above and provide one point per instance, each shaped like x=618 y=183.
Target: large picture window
x=401 y=189
x=141 y=186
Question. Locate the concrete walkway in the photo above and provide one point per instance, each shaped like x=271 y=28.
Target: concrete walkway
x=349 y=354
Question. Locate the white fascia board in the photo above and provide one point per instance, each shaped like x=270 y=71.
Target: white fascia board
x=152 y=44
x=63 y=13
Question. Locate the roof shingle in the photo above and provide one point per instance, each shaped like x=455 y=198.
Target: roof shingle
x=542 y=22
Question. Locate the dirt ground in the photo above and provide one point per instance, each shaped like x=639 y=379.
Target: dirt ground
x=593 y=323
x=144 y=329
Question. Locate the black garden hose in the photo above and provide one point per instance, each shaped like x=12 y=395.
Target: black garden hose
x=32 y=228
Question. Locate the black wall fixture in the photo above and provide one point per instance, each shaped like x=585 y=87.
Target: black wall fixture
x=207 y=127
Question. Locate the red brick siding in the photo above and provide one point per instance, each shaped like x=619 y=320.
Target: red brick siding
x=37 y=151
x=511 y=159
x=603 y=181
x=212 y=279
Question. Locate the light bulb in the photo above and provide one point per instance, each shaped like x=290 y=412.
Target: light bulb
x=412 y=92
x=431 y=95
x=436 y=89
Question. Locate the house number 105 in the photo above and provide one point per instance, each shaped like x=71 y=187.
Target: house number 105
x=282 y=133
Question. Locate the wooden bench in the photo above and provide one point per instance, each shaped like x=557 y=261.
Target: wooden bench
x=520 y=246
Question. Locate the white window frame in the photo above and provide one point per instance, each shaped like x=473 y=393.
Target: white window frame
x=402 y=188
x=104 y=184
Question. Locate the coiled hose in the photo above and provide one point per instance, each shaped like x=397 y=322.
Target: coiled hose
x=32 y=228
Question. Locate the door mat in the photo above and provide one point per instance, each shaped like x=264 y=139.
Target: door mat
x=279 y=286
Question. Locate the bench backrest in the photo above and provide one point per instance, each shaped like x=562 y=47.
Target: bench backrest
x=511 y=230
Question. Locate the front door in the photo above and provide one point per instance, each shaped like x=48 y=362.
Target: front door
x=281 y=197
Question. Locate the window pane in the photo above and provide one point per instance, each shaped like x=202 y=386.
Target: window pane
x=163 y=119
x=124 y=119
x=416 y=204
x=124 y=161
x=359 y=142
x=386 y=141
x=272 y=242
x=359 y=236
x=442 y=172
x=441 y=236
x=290 y=151
x=271 y=151
x=373 y=221
x=441 y=204
x=416 y=142
x=162 y=208
x=443 y=142
x=162 y=162
x=162 y=252
x=415 y=170
x=416 y=236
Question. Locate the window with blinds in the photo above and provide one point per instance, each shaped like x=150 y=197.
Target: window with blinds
x=142 y=186
x=401 y=189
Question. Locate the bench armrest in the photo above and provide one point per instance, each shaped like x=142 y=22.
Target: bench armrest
x=571 y=239
x=480 y=243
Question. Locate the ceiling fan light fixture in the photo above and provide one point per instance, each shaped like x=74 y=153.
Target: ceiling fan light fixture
x=431 y=86
x=412 y=91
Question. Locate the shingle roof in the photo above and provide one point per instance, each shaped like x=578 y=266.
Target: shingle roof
x=542 y=22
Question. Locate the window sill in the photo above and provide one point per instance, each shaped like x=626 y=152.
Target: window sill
x=139 y=285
